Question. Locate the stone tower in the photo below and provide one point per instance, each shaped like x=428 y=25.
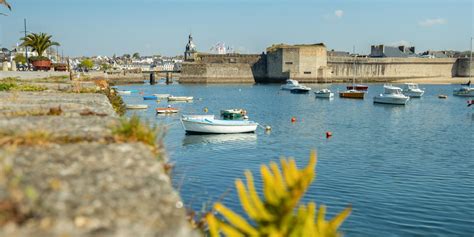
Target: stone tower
x=189 y=54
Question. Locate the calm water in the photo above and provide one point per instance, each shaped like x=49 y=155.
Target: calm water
x=406 y=170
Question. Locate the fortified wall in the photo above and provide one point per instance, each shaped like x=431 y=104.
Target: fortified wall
x=224 y=68
x=311 y=64
x=388 y=69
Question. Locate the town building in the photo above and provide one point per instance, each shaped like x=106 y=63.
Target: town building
x=384 y=51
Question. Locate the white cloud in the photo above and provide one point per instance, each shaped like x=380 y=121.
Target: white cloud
x=432 y=22
x=339 y=13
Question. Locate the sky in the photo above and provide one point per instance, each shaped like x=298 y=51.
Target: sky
x=149 y=27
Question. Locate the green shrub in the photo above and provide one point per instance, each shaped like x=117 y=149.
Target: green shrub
x=6 y=86
x=276 y=216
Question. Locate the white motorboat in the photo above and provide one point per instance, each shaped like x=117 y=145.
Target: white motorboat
x=293 y=84
x=180 y=98
x=300 y=90
x=391 y=95
x=136 y=106
x=412 y=90
x=216 y=126
x=162 y=96
x=324 y=93
x=465 y=91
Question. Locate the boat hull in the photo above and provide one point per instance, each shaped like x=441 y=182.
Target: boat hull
x=391 y=100
x=136 y=107
x=172 y=98
x=166 y=110
x=150 y=98
x=414 y=94
x=352 y=95
x=209 y=128
x=300 y=91
x=464 y=93
x=324 y=95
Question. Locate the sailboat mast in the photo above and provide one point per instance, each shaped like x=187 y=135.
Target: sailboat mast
x=353 y=65
x=470 y=60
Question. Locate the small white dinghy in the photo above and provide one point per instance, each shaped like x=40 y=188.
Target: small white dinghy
x=162 y=96
x=137 y=107
x=208 y=124
x=124 y=92
x=180 y=98
x=324 y=93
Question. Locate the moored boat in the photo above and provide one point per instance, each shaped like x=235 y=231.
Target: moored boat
x=150 y=97
x=412 y=90
x=180 y=98
x=290 y=84
x=352 y=94
x=124 y=92
x=167 y=110
x=358 y=87
x=136 y=106
x=300 y=90
x=216 y=126
x=324 y=93
x=233 y=113
x=162 y=96
x=464 y=91
x=391 y=95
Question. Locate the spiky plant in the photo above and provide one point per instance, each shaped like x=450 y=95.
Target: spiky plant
x=39 y=42
x=275 y=215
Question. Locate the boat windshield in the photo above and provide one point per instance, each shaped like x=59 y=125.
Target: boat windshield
x=393 y=90
x=291 y=82
x=412 y=86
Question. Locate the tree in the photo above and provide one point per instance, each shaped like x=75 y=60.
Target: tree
x=19 y=58
x=39 y=42
x=86 y=64
x=136 y=55
x=105 y=66
x=126 y=55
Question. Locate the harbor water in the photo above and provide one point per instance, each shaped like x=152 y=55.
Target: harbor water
x=406 y=170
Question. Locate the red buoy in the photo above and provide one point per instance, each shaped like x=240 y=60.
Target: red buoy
x=328 y=134
x=293 y=119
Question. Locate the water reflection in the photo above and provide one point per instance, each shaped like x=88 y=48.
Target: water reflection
x=242 y=138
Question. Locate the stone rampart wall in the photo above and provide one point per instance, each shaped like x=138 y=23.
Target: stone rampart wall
x=220 y=73
x=386 y=69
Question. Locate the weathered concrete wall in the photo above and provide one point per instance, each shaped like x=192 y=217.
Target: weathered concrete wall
x=219 y=73
x=275 y=66
x=301 y=62
x=386 y=69
x=311 y=60
x=228 y=58
x=462 y=67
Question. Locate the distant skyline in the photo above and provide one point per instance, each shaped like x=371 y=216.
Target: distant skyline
x=107 y=27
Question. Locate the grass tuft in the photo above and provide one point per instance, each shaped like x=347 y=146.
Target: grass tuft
x=134 y=130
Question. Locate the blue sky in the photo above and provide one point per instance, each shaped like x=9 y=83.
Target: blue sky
x=105 y=27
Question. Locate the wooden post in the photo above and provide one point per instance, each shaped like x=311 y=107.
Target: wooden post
x=69 y=69
x=152 y=78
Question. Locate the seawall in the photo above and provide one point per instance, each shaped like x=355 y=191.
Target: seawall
x=220 y=73
x=388 y=69
x=254 y=68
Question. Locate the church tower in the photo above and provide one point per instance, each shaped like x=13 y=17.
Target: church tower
x=189 y=54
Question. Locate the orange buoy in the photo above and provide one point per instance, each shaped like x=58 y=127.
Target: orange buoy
x=328 y=134
x=293 y=119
